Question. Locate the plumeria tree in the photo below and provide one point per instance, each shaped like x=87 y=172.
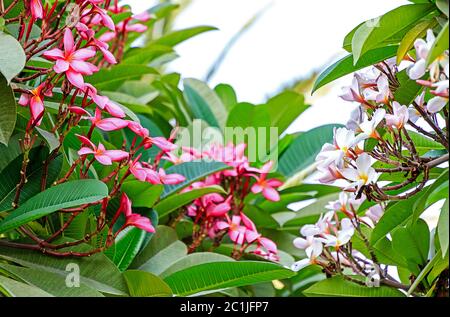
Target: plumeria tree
x=147 y=183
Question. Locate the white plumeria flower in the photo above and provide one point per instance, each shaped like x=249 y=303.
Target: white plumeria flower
x=435 y=104
x=415 y=115
x=400 y=116
x=328 y=174
x=342 y=237
x=313 y=252
x=352 y=93
x=357 y=116
x=422 y=47
x=369 y=127
x=383 y=94
x=303 y=244
x=344 y=203
x=320 y=227
x=344 y=140
x=363 y=174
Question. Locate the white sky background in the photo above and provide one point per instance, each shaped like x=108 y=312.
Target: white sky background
x=291 y=39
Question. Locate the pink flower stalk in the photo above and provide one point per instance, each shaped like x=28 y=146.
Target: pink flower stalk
x=37 y=12
x=132 y=219
x=266 y=186
x=35 y=100
x=103 y=156
x=107 y=124
x=71 y=61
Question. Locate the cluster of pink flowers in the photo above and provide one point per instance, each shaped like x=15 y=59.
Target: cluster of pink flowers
x=75 y=56
x=216 y=214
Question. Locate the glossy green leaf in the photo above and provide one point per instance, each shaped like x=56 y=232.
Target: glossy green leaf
x=443 y=228
x=171 y=203
x=12 y=57
x=218 y=275
x=96 y=271
x=176 y=37
x=303 y=150
x=145 y=284
x=408 y=89
x=12 y=288
x=142 y=194
x=112 y=78
x=373 y=32
x=66 y=195
x=417 y=31
x=10 y=177
x=8 y=113
x=338 y=286
x=345 y=65
x=50 y=282
x=412 y=242
x=204 y=103
x=227 y=94
x=193 y=171
x=439 y=45
x=164 y=258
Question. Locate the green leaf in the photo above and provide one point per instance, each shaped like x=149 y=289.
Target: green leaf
x=8 y=113
x=443 y=228
x=144 y=55
x=424 y=144
x=193 y=260
x=398 y=21
x=424 y=272
x=219 y=275
x=163 y=237
x=112 y=78
x=49 y=137
x=166 y=206
x=227 y=94
x=65 y=195
x=284 y=108
x=246 y=115
x=12 y=57
x=303 y=150
x=10 y=177
x=443 y=6
x=345 y=65
x=176 y=37
x=142 y=194
x=412 y=242
x=408 y=89
x=96 y=271
x=338 y=286
x=165 y=257
x=12 y=288
x=395 y=214
x=50 y=282
x=439 y=45
x=204 y=103
x=145 y=284
x=193 y=171
x=417 y=31
x=127 y=245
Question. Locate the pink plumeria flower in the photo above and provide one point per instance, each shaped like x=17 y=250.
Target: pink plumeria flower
x=107 y=124
x=363 y=174
x=97 y=16
x=37 y=12
x=235 y=230
x=220 y=209
x=35 y=100
x=266 y=186
x=103 y=156
x=71 y=61
x=138 y=171
x=132 y=219
x=170 y=179
x=400 y=116
x=103 y=102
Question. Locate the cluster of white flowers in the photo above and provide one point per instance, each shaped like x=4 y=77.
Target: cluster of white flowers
x=345 y=162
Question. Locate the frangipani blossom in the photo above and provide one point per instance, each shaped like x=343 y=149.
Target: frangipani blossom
x=107 y=124
x=313 y=252
x=344 y=141
x=71 y=61
x=35 y=100
x=219 y=209
x=266 y=186
x=37 y=12
x=235 y=230
x=103 y=102
x=342 y=237
x=328 y=174
x=383 y=93
x=363 y=174
x=369 y=127
x=347 y=203
x=131 y=219
x=400 y=116
x=170 y=179
x=441 y=92
x=103 y=156
x=375 y=212
x=415 y=115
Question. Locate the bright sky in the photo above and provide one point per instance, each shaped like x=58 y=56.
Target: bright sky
x=289 y=41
